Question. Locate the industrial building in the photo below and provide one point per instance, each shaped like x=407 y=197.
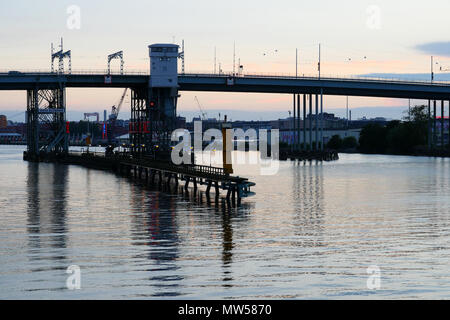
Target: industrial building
x=3 y=121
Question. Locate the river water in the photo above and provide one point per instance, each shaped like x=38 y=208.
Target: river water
x=310 y=232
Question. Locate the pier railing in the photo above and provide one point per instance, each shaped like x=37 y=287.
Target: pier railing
x=199 y=171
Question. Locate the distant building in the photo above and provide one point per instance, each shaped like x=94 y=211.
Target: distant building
x=3 y=121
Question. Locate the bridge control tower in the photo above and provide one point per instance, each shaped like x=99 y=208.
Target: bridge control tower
x=164 y=65
x=154 y=112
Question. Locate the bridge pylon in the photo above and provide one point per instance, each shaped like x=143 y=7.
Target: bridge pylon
x=47 y=130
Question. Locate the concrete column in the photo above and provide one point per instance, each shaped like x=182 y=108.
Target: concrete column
x=321 y=120
x=298 y=122
x=429 y=124
x=442 y=125
x=294 y=120
x=317 y=123
x=434 y=123
x=304 y=122
x=310 y=122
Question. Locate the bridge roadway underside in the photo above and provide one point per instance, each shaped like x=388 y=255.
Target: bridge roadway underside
x=245 y=84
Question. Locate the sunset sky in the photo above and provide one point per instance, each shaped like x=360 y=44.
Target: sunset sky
x=357 y=37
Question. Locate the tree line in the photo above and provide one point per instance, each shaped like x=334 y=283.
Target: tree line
x=409 y=136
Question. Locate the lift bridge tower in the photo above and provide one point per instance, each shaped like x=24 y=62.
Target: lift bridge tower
x=154 y=110
x=47 y=129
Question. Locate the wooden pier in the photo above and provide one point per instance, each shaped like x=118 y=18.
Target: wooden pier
x=164 y=174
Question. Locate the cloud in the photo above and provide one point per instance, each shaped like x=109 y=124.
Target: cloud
x=435 y=48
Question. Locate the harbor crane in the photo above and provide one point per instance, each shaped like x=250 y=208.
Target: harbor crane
x=203 y=113
x=115 y=111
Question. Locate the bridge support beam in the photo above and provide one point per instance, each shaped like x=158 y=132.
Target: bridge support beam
x=442 y=126
x=47 y=130
x=299 y=146
x=139 y=123
x=304 y=123
x=310 y=122
x=429 y=125
x=322 y=147
x=294 y=125
x=434 y=124
x=317 y=124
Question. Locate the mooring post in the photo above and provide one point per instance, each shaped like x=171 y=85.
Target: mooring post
x=233 y=195
x=229 y=193
x=195 y=184
x=239 y=197
x=216 y=186
x=208 y=188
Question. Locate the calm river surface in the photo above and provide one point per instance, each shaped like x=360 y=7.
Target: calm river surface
x=311 y=231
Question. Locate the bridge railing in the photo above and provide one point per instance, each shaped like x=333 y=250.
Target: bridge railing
x=74 y=72
x=249 y=75
x=316 y=77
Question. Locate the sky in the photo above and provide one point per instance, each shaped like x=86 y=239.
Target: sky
x=356 y=36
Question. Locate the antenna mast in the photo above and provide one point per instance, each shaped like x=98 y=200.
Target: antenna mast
x=182 y=60
x=181 y=56
x=60 y=55
x=234 y=58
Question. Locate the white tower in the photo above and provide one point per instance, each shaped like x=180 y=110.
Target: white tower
x=164 y=65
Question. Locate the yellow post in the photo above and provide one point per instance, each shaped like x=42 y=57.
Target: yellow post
x=226 y=153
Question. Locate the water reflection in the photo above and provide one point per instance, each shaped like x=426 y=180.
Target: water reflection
x=47 y=210
x=310 y=231
x=155 y=226
x=308 y=195
x=227 y=243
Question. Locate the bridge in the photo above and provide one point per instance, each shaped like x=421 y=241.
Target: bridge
x=362 y=87
x=141 y=85
x=154 y=96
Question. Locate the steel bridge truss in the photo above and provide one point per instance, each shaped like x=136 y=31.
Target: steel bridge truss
x=140 y=123
x=47 y=130
x=152 y=121
x=117 y=55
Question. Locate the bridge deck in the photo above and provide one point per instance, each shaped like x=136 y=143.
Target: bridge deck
x=249 y=83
